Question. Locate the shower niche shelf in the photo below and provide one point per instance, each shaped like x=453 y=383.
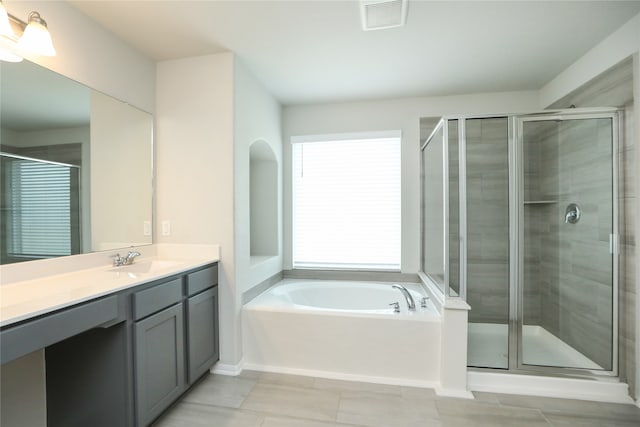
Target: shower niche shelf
x=539 y=202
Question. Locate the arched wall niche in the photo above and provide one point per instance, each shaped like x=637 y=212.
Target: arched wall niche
x=263 y=201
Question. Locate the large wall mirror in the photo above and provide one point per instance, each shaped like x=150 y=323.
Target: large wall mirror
x=76 y=173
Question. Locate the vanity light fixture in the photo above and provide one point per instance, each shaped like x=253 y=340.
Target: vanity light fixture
x=18 y=37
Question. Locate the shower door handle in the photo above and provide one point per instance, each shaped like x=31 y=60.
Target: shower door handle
x=613 y=244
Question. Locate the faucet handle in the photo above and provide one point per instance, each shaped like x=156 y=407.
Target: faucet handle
x=117 y=260
x=131 y=256
x=396 y=307
x=423 y=302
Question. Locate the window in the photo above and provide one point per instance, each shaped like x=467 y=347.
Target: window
x=39 y=196
x=346 y=201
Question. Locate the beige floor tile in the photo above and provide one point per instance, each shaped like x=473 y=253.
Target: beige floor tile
x=378 y=410
x=274 y=400
x=486 y=397
x=272 y=421
x=471 y=412
x=194 y=415
x=582 y=409
x=220 y=390
x=419 y=393
x=577 y=421
x=340 y=386
x=293 y=401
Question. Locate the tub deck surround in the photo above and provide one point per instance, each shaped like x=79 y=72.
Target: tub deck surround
x=343 y=296
x=28 y=290
x=365 y=342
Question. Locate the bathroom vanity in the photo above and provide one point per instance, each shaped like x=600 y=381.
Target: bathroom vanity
x=122 y=357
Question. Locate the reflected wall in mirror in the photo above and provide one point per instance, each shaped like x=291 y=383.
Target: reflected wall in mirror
x=76 y=173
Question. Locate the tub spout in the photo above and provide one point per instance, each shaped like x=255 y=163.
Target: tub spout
x=411 y=304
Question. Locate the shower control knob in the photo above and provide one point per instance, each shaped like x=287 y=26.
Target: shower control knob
x=572 y=214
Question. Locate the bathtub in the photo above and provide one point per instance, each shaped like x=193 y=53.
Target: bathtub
x=343 y=330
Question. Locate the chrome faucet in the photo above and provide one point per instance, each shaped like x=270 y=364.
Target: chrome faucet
x=411 y=304
x=131 y=257
x=119 y=261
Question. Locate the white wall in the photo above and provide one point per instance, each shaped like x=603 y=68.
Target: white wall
x=257 y=118
x=209 y=110
x=195 y=170
x=621 y=44
x=393 y=114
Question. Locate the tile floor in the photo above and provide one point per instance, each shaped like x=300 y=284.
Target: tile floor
x=257 y=399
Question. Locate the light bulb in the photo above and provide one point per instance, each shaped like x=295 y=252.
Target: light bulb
x=36 y=38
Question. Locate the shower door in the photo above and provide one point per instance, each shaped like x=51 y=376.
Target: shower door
x=565 y=199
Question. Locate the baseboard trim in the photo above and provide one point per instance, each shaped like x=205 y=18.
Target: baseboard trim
x=227 y=369
x=461 y=394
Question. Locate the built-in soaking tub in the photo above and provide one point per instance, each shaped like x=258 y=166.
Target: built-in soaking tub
x=344 y=330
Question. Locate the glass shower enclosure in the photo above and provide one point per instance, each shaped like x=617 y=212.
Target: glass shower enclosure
x=519 y=219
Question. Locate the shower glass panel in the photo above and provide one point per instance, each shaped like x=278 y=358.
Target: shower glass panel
x=566 y=238
x=487 y=214
x=433 y=214
x=454 y=209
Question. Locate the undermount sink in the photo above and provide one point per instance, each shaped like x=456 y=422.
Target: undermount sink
x=147 y=267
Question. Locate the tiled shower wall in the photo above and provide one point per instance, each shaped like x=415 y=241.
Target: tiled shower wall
x=488 y=220
x=627 y=203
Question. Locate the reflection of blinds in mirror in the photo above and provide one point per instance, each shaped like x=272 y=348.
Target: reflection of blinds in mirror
x=40 y=208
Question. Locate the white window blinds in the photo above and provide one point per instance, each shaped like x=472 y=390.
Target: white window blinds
x=346 y=202
x=41 y=208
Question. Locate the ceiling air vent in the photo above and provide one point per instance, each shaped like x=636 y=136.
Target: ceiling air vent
x=382 y=14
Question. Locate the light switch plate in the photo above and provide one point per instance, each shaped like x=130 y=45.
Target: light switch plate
x=147 y=228
x=166 y=228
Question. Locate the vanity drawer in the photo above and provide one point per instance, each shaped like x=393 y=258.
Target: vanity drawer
x=156 y=298
x=201 y=280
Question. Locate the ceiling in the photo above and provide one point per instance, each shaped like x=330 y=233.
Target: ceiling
x=315 y=51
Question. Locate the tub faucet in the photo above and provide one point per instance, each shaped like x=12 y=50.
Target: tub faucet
x=411 y=304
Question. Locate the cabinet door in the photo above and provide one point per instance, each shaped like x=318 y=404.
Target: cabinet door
x=202 y=332
x=159 y=359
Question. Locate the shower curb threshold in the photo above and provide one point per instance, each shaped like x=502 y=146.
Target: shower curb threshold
x=565 y=388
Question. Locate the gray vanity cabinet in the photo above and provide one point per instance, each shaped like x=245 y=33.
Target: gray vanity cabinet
x=121 y=359
x=159 y=362
x=202 y=312
x=175 y=339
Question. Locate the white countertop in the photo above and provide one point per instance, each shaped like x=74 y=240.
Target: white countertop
x=23 y=299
